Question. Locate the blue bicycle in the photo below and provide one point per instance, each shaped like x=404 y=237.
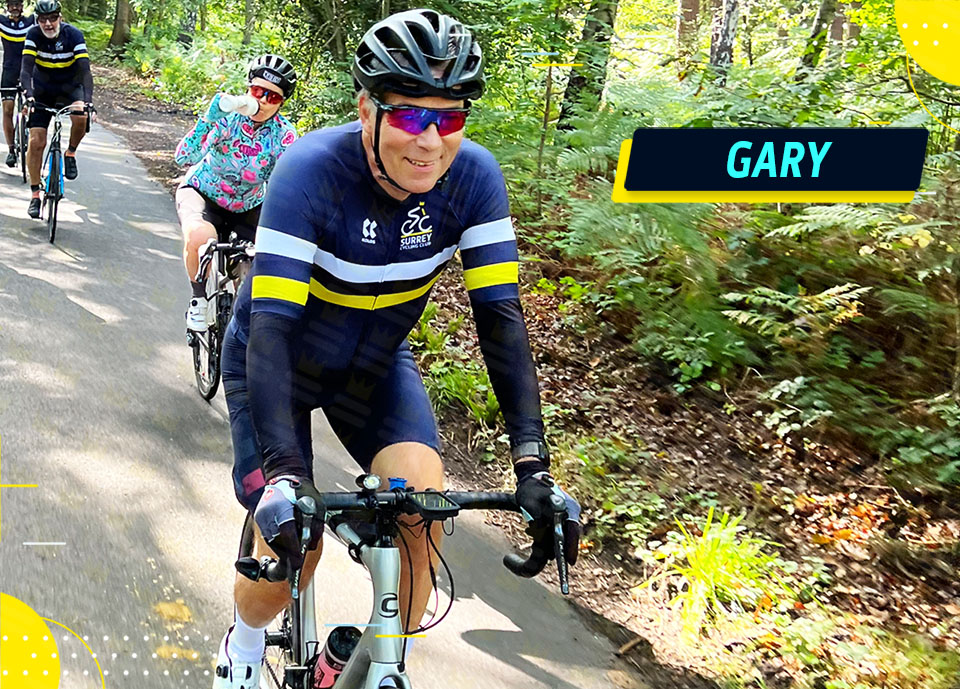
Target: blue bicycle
x=53 y=179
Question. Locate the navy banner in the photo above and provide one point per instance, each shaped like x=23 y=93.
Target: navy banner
x=801 y=164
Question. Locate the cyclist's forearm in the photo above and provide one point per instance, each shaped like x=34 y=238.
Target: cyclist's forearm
x=27 y=65
x=87 y=77
x=270 y=393
x=506 y=352
x=195 y=144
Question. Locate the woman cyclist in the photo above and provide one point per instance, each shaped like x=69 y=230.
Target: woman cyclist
x=233 y=148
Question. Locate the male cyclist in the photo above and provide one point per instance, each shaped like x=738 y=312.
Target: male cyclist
x=358 y=223
x=55 y=73
x=13 y=30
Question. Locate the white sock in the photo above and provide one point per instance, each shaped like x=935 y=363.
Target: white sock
x=246 y=642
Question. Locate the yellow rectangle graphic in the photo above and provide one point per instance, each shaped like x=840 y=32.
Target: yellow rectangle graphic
x=621 y=195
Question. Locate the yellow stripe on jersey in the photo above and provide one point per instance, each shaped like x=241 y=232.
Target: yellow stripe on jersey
x=55 y=65
x=351 y=301
x=494 y=274
x=368 y=302
x=285 y=289
x=12 y=39
x=29 y=51
x=387 y=300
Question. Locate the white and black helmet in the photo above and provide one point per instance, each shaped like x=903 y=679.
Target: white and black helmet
x=276 y=70
x=420 y=53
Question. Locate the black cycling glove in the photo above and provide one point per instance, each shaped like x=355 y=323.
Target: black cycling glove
x=535 y=486
x=279 y=523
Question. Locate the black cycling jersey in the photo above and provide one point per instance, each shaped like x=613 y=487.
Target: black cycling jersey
x=343 y=272
x=12 y=35
x=52 y=65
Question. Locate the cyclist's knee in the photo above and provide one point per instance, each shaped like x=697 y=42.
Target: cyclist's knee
x=8 y=107
x=197 y=234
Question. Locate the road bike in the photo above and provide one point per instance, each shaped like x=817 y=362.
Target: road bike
x=21 y=133
x=225 y=264
x=52 y=175
x=367 y=522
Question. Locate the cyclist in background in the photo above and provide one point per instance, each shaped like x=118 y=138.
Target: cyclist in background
x=13 y=31
x=359 y=223
x=233 y=149
x=55 y=72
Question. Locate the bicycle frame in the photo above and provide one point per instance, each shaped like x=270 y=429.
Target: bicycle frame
x=378 y=654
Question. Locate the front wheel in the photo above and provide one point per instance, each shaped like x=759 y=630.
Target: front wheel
x=206 y=362
x=51 y=202
x=52 y=198
x=22 y=139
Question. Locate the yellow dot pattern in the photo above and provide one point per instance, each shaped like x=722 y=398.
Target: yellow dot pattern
x=29 y=658
x=930 y=30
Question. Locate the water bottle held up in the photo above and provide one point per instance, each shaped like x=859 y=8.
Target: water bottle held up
x=245 y=104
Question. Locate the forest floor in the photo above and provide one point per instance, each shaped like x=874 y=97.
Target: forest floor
x=878 y=566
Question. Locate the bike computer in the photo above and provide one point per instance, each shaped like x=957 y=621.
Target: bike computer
x=431 y=504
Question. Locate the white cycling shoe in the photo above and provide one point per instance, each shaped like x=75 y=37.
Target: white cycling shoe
x=197 y=315
x=233 y=674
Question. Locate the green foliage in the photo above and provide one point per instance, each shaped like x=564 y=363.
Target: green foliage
x=832 y=657
x=464 y=385
x=722 y=569
x=604 y=474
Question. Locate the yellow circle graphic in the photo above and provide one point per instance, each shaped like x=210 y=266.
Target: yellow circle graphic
x=29 y=658
x=930 y=30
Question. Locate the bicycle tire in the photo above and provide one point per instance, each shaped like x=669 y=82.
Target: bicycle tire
x=206 y=363
x=274 y=657
x=23 y=142
x=52 y=198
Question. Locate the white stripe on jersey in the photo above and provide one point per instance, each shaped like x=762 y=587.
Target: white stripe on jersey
x=488 y=233
x=359 y=273
x=282 y=244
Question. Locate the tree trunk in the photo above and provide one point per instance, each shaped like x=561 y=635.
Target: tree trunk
x=248 y=17
x=818 y=35
x=84 y=9
x=187 y=27
x=121 y=25
x=593 y=53
x=853 y=29
x=688 y=18
x=721 y=48
x=748 y=30
x=203 y=16
x=384 y=9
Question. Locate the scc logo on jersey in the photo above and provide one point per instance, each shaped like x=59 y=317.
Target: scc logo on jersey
x=415 y=233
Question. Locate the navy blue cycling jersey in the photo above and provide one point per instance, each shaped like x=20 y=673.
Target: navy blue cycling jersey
x=343 y=272
x=12 y=35
x=52 y=64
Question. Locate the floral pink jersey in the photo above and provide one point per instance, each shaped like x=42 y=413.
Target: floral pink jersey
x=231 y=160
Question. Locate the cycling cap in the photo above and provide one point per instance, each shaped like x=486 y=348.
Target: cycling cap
x=276 y=70
x=419 y=53
x=47 y=6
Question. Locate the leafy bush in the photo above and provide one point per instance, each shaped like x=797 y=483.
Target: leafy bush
x=722 y=569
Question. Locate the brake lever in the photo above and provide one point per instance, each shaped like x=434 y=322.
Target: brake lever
x=559 y=514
